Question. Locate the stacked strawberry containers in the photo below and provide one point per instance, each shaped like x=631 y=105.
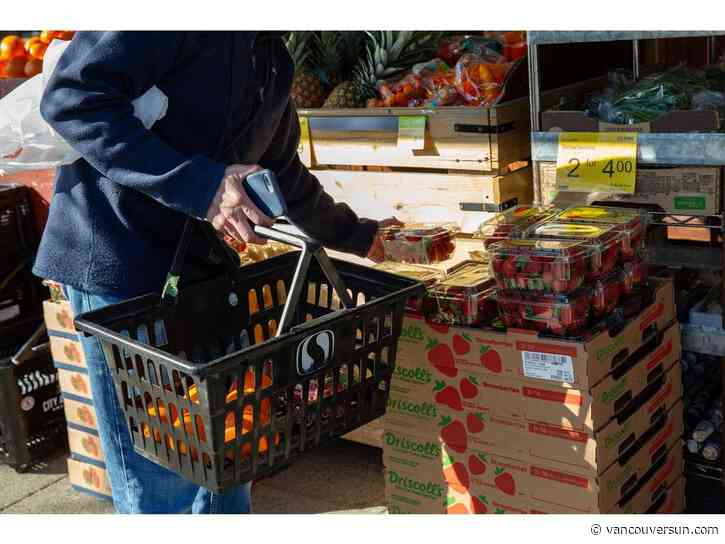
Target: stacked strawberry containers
x=570 y=269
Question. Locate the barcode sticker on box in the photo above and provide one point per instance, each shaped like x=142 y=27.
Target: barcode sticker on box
x=548 y=366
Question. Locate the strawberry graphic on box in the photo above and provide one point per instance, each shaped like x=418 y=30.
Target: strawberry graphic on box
x=504 y=481
x=468 y=387
x=475 y=422
x=453 y=433
x=477 y=464
x=479 y=505
x=491 y=360
x=461 y=343
x=441 y=357
x=447 y=396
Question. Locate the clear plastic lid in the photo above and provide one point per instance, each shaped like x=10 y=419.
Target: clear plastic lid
x=419 y=243
x=513 y=223
x=577 y=231
x=419 y=230
x=601 y=214
x=627 y=221
x=466 y=297
x=564 y=249
x=423 y=274
x=468 y=279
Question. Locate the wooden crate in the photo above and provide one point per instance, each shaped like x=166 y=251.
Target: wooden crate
x=427 y=197
x=456 y=138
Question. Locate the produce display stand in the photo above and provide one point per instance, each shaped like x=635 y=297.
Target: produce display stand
x=656 y=149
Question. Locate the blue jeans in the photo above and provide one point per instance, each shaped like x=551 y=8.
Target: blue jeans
x=138 y=485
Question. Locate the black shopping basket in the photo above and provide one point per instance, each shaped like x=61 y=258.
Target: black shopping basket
x=226 y=380
x=32 y=422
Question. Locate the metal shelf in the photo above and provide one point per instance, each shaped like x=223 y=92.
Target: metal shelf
x=551 y=37
x=685 y=256
x=682 y=149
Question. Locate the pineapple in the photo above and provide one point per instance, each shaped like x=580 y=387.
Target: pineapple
x=388 y=54
x=307 y=89
x=330 y=65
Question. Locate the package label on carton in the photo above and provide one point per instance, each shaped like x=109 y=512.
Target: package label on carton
x=548 y=366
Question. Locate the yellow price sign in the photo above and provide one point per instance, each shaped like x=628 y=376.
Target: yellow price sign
x=304 y=149
x=597 y=162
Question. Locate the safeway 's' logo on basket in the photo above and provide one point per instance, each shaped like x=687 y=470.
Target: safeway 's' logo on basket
x=315 y=352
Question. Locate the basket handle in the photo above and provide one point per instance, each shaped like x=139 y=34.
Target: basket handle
x=30 y=347
x=311 y=249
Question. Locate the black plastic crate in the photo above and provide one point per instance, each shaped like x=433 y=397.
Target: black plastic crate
x=210 y=392
x=32 y=422
x=17 y=226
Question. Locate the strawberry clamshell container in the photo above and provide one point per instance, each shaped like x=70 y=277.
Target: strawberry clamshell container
x=426 y=276
x=466 y=297
x=512 y=223
x=540 y=266
x=561 y=315
x=627 y=221
x=603 y=240
x=419 y=244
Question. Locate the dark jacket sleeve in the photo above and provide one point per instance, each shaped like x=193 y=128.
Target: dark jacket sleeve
x=310 y=207
x=88 y=101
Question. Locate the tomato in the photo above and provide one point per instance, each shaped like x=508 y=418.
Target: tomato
x=15 y=67
x=37 y=50
x=30 y=41
x=33 y=67
x=12 y=47
x=47 y=36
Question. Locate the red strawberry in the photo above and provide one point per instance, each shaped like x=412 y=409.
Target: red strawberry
x=475 y=422
x=491 y=360
x=461 y=344
x=454 y=434
x=455 y=473
x=441 y=357
x=468 y=387
x=441 y=329
x=448 y=396
x=478 y=505
x=505 y=482
x=477 y=464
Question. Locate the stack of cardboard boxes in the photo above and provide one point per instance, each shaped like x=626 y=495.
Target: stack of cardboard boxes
x=86 y=465
x=483 y=421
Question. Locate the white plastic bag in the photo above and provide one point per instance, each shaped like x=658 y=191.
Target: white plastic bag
x=27 y=142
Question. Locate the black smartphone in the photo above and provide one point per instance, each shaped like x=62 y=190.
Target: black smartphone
x=263 y=189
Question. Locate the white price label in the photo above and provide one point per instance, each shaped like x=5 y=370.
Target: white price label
x=548 y=366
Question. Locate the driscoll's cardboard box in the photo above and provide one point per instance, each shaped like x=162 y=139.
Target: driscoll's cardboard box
x=552 y=403
x=525 y=478
x=578 y=364
x=409 y=493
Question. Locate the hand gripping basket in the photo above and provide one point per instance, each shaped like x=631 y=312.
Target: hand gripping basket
x=226 y=380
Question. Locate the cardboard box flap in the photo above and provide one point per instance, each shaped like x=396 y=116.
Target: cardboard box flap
x=643 y=367
x=630 y=427
x=649 y=495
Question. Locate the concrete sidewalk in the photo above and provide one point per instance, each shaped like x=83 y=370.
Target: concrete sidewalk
x=340 y=477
